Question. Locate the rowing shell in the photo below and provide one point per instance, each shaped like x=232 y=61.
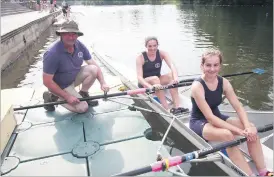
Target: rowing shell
x=182 y=125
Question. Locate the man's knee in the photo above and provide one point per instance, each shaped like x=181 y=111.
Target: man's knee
x=82 y=108
x=91 y=69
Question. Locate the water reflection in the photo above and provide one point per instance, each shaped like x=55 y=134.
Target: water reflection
x=243 y=34
x=27 y=71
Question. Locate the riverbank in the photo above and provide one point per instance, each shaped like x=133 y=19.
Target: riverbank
x=20 y=31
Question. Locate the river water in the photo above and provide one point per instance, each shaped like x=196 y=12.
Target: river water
x=243 y=34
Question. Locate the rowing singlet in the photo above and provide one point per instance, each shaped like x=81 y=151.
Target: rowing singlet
x=213 y=99
x=152 y=68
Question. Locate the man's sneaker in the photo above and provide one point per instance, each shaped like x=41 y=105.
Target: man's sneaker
x=49 y=97
x=178 y=110
x=90 y=102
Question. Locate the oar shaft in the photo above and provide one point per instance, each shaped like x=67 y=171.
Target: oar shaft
x=226 y=75
x=176 y=160
x=237 y=74
x=63 y=102
x=265 y=128
x=204 y=152
x=129 y=92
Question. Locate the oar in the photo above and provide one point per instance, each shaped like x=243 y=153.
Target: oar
x=256 y=71
x=176 y=160
x=129 y=92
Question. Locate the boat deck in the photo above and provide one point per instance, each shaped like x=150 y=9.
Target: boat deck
x=106 y=140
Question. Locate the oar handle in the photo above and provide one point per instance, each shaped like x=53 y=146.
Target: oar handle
x=233 y=143
x=164 y=87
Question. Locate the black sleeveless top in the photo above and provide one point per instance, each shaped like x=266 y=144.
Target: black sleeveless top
x=152 y=68
x=213 y=99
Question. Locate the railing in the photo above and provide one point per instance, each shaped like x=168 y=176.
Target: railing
x=31 y=4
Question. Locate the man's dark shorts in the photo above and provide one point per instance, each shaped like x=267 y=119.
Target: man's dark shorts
x=197 y=125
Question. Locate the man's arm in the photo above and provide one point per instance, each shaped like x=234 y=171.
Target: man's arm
x=170 y=64
x=100 y=76
x=53 y=87
x=50 y=66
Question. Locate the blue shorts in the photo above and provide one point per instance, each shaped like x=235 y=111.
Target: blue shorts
x=197 y=125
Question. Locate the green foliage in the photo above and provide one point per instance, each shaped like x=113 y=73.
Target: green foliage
x=234 y=2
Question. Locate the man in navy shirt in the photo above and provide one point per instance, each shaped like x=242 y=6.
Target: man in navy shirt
x=63 y=70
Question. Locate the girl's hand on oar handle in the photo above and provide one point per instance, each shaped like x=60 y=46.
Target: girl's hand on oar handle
x=174 y=81
x=72 y=100
x=156 y=86
x=251 y=133
x=239 y=132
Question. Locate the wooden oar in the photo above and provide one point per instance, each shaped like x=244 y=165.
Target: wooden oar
x=129 y=92
x=176 y=160
x=256 y=71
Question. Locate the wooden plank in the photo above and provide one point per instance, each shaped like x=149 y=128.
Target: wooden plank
x=15 y=97
x=8 y=123
x=9 y=120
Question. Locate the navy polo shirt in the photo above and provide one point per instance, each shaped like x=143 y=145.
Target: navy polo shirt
x=63 y=65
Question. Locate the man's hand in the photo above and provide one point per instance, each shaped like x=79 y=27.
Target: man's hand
x=72 y=100
x=104 y=87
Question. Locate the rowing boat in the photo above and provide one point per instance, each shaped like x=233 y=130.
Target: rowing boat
x=181 y=124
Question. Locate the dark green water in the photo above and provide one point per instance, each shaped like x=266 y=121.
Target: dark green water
x=244 y=34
